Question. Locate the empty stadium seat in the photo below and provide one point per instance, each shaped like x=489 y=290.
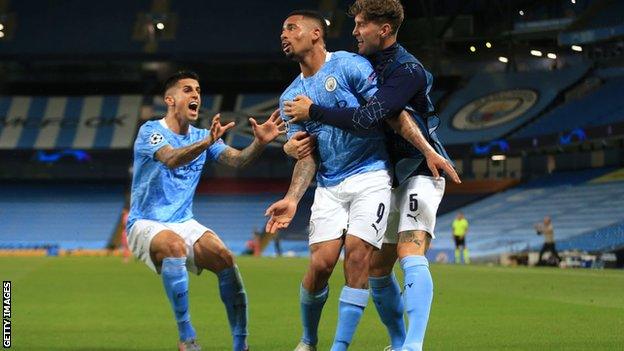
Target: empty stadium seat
x=80 y=216
x=504 y=222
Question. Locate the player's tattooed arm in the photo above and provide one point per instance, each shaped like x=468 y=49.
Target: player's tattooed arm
x=406 y=127
x=174 y=158
x=283 y=211
x=304 y=171
x=241 y=158
x=264 y=133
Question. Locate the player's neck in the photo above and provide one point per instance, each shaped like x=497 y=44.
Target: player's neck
x=313 y=61
x=388 y=42
x=177 y=124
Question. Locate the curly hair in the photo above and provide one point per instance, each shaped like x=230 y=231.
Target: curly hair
x=379 y=11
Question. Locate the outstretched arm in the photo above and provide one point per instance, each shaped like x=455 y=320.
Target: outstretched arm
x=283 y=211
x=264 y=133
x=174 y=158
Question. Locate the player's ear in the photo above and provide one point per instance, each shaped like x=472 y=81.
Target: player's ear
x=316 y=33
x=169 y=100
x=385 y=30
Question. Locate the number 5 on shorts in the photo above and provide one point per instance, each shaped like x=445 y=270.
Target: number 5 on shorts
x=413 y=202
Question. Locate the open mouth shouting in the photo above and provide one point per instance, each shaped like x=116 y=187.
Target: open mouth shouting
x=194 y=106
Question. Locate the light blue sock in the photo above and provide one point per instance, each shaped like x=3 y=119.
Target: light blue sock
x=418 y=295
x=234 y=298
x=352 y=304
x=175 y=280
x=386 y=295
x=311 y=308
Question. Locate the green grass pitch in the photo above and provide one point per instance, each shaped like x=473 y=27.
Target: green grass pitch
x=103 y=304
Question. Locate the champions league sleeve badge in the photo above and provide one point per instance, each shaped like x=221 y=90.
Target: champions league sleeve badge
x=155 y=139
x=330 y=84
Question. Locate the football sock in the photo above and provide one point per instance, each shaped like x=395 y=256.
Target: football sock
x=466 y=256
x=234 y=298
x=175 y=281
x=350 y=309
x=457 y=256
x=311 y=308
x=386 y=295
x=418 y=295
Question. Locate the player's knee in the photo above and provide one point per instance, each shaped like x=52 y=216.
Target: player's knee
x=226 y=257
x=175 y=248
x=323 y=267
x=360 y=257
x=217 y=259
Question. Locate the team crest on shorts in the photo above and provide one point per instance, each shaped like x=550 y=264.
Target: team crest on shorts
x=155 y=138
x=330 y=83
x=311 y=228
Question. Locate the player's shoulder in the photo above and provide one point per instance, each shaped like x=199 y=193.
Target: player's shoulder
x=348 y=56
x=195 y=131
x=351 y=63
x=149 y=126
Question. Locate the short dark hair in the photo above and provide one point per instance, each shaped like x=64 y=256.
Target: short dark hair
x=380 y=11
x=316 y=16
x=178 y=76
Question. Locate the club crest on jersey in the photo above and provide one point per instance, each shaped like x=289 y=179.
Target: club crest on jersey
x=331 y=83
x=155 y=138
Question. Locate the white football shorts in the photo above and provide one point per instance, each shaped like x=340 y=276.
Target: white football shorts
x=414 y=206
x=143 y=231
x=358 y=206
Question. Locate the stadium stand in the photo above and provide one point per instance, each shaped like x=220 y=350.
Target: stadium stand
x=81 y=122
x=66 y=216
x=581 y=209
x=494 y=104
x=601 y=107
x=234 y=208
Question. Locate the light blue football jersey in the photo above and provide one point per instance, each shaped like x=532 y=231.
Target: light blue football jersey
x=159 y=193
x=345 y=80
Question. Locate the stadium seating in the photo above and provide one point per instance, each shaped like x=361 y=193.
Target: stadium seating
x=235 y=217
x=70 y=217
x=490 y=102
x=504 y=222
x=601 y=107
x=78 y=122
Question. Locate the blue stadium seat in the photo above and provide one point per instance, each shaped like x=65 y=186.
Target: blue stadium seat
x=601 y=107
x=504 y=222
x=235 y=217
x=81 y=216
